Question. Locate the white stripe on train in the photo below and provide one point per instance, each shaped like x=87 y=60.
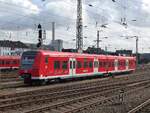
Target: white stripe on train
x=79 y=75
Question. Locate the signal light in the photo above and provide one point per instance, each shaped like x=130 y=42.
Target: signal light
x=39 y=44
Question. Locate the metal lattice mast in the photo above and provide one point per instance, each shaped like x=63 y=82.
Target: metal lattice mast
x=79 y=35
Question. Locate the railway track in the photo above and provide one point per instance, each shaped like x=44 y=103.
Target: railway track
x=49 y=97
x=84 y=102
x=9 y=79
x=9 y=75
x=139 y=108
x=15 y=84
x=71 y=85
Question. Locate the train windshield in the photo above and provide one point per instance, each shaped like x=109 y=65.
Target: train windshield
x=27 y=59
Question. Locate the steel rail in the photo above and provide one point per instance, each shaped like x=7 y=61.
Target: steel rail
x=103 y=100
x=63 y=94
x=47 y=89
x=141 y=106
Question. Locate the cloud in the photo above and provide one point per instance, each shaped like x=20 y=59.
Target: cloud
x=21 y=16
x=62 y=8
x=146 y=5
x=24 y=6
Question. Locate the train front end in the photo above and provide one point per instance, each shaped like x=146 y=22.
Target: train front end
x=29 y=66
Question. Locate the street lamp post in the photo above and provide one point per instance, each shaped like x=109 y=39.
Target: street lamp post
x=137 y=52
x=137 y=40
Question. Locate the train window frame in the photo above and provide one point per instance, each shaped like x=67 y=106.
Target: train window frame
x=56 y=64
x=65 y=65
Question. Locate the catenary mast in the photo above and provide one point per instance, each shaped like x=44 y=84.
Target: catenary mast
x=79 y=34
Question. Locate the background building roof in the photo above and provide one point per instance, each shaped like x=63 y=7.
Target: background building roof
x=12 y=44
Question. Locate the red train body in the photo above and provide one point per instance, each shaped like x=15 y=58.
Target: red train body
x=46 y=65
x=9 y=62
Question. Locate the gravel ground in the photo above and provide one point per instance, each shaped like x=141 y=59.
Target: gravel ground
x=130 y=101
x=146 y=109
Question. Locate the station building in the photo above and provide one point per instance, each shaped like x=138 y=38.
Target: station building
x=12 y=48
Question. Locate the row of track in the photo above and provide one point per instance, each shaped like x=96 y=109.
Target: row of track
x=7 y=75
x=74 y=96
x=66 y=95
x=80 y=103
x=26 y=90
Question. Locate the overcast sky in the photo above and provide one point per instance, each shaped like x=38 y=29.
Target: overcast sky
x=19 y=20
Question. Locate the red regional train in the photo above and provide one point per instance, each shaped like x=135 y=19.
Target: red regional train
x=9 y=62
x=44 y=65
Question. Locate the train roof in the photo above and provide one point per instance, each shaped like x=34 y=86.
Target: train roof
x=68 y=54
x=9 y=57
x=61 y=54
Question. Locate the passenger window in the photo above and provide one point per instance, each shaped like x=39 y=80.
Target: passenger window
x=46 y=59
x=104 y=64
x=79 y=64
x=74 y=64
x=100 y=64
x=7 y=62
x=91 y=64
x=85 y=64
x=70 y=64
x=110 y=64
x=14 y=62
x=3 y=62
x=119 y=63
x=56 y=65
x=65 y=65
x=113 y=64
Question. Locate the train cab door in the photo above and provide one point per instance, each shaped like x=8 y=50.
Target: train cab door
x=127 y=64
x=96 y=65
x=116 y=65
x=72 y=66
